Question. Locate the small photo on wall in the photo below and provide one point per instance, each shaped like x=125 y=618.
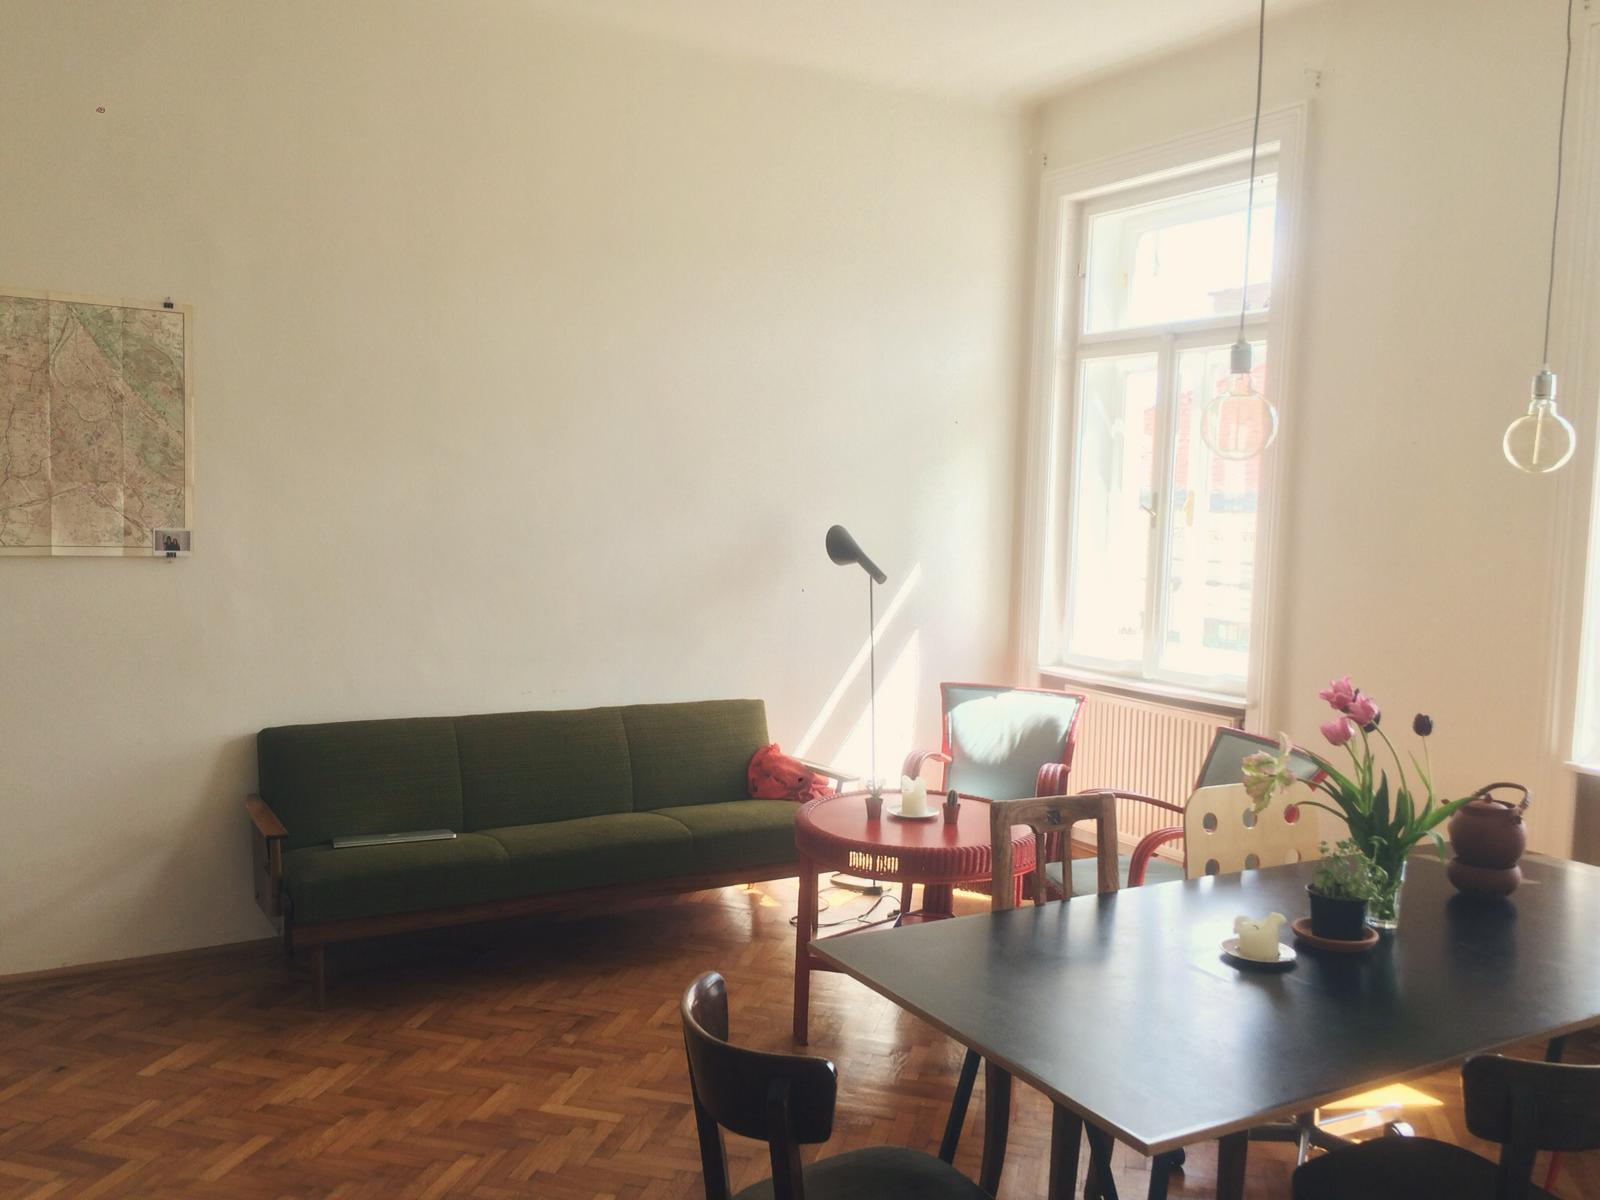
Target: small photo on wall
x=170 y=543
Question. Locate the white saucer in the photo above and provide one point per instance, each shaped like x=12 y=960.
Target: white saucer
x=1230 y=951
x=894 y=811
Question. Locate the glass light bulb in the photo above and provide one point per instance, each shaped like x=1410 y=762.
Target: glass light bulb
x=1541 y=440
x=1240 y=422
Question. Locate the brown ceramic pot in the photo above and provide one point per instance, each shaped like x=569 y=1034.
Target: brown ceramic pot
x=1488 y=838
x=1483 y=881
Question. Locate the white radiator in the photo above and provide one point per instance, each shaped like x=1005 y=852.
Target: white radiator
x=1144 y=746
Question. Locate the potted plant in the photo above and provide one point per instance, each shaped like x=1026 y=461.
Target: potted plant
x=1385 y=823
x=1345 y=880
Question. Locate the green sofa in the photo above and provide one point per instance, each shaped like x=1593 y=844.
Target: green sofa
x=548 y=807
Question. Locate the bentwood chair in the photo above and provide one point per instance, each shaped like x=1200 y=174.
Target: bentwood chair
x=1051 y=819
x=1525 y=1106
x=787 y=1101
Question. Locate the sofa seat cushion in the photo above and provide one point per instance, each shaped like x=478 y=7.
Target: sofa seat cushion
x=744 y=833
x=325 y=884
x=618 y=848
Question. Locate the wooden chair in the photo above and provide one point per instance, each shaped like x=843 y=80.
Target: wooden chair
x=787 y=1101
x=1525 y=1106
x=1051 y=818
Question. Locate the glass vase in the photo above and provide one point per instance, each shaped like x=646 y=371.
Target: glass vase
x=1383 y=909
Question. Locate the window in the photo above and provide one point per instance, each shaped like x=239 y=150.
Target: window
x=1147 y=567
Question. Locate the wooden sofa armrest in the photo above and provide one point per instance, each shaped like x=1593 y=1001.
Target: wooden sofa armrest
x=267 y=835
x=266 y=821
x=832 y=773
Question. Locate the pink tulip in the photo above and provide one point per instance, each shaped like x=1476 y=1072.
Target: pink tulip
x=1341 y=694
x=1338 y=731
x=1362 y=710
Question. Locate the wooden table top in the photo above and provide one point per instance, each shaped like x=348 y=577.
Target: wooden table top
x=1121 y=1008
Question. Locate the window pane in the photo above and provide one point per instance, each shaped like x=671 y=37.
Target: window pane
x=1211 y=549
x=1111 y=508
x=1178 y=259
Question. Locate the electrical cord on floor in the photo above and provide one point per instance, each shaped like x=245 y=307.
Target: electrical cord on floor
x=863 y=919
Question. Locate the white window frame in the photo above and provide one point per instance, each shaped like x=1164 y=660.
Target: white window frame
x=1068 y=196
x=1575 y=631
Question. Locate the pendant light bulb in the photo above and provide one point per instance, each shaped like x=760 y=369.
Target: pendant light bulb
x=1239 y=422
x=1541 y=440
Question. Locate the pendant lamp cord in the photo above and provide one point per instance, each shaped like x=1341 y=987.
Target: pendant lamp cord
x=1555 y=220
x=1255 y=140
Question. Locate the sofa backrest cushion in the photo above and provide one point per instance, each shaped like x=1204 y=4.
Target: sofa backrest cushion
x=530 y=767
x=356 y=777
x=695 y=753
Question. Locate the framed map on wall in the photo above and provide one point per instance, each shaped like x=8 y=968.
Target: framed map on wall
x=96 y=424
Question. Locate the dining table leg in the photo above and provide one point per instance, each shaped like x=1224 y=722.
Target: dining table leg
x=1066 y=1134
x=805 y=928
x=996 y=1125
x=1232 y=1150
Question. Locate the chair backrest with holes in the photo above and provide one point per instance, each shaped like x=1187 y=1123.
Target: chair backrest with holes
x=1225 y=760
x=1222 y=832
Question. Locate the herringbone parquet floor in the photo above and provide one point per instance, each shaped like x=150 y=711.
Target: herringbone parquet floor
x=532 y=1059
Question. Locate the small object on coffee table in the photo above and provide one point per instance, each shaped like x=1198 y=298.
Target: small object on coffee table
x=952 y=808
x=874 y=800
x=1302 y=930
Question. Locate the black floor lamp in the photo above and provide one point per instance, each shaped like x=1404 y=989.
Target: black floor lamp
x=844 y=551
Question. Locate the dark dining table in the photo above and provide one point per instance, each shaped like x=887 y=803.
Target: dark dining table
x=1123 y=1011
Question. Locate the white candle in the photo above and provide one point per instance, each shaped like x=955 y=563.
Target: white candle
x=913 y=797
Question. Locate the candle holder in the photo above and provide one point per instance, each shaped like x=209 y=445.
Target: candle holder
x=874 y=800
x=952 y=808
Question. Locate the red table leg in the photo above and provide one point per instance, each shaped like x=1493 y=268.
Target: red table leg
x=938 y=899
x=805 y=928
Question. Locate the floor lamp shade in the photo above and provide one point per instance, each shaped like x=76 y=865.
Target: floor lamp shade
x=842 y=548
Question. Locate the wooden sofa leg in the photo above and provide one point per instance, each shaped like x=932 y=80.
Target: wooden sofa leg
x=319 y=975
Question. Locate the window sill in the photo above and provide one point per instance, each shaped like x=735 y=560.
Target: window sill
x=1585 y=768
x=1221 y=703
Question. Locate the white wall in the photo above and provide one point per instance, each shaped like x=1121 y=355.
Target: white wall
x=531 y=364
x=1413 y=558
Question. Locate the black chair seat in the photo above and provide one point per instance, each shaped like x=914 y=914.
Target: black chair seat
x=879 y=1173
x=1400 y=1168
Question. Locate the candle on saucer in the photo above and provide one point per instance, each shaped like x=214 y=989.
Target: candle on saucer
x=913 y=797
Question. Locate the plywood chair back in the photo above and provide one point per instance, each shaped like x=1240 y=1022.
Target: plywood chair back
x=1223 y=834
x=785 y=1100
x=1230 y=747
x=1047 y=815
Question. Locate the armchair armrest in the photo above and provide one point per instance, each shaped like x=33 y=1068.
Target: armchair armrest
x=267 y=835
x=1146 y=849
x=1140 y=797
x=912 y=767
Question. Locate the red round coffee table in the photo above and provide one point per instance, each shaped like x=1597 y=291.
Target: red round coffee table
x=834 y=834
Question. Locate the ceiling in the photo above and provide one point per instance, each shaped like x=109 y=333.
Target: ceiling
x=994 y=51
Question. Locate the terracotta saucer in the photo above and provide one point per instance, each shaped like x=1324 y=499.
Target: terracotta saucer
x=1302 y=930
